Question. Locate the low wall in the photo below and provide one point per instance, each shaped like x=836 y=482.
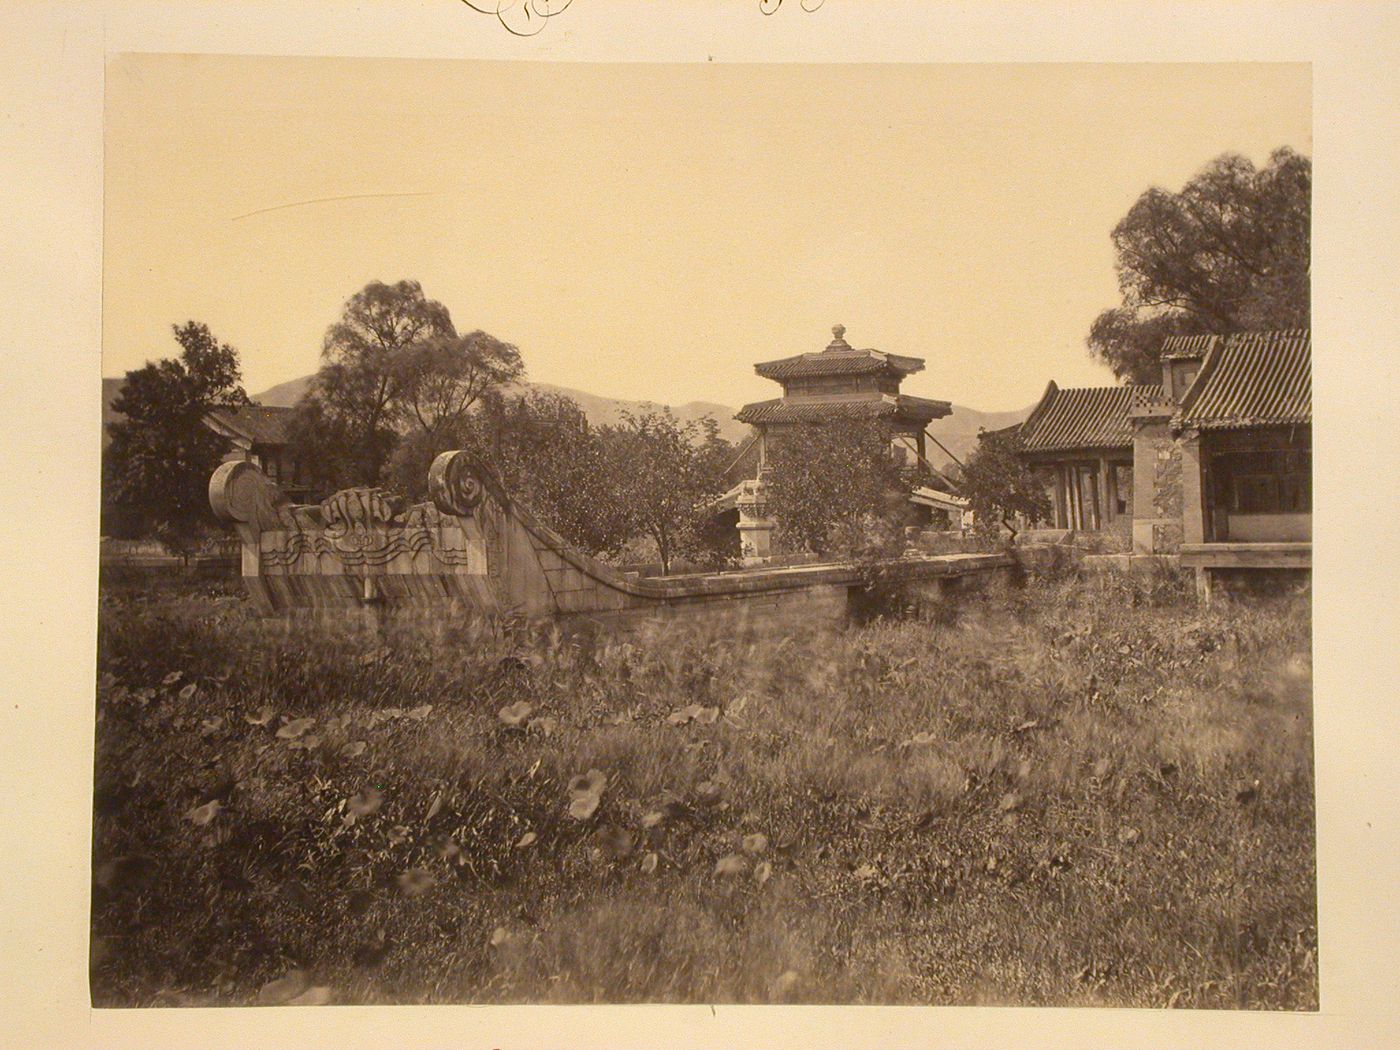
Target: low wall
x=1136 y=564
x=474 y=549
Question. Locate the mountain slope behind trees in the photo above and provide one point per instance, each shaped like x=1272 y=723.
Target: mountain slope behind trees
x=957 y=431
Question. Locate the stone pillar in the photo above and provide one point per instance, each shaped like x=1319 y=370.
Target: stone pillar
x=1205 y=587
x=755 y=527
x=1158 y=474
x=1193 y=507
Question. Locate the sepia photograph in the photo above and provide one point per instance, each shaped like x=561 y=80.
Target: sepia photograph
x=705 y=533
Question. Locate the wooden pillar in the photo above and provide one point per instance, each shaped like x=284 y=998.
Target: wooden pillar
x=1205 y=586
x=1105 y=497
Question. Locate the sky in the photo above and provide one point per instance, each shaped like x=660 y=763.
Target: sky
x=650 y=231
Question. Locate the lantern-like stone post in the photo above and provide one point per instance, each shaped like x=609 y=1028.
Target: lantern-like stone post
x=755 y=527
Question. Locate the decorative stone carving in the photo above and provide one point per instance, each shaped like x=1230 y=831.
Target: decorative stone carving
x=358 y=527
x=242 y=494
x=458 y=483
x=358 y=509
x=755 y=527
x=461 y=485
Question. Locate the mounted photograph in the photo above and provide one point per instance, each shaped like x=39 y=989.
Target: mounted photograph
x=705 y=533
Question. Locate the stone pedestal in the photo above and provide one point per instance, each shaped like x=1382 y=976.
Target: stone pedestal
x=755 y=527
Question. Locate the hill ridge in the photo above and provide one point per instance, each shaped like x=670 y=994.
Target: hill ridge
x=957 y=431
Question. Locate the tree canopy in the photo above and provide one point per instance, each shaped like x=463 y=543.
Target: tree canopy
x=547 y=455
x=1228 y=252
x=833 y=486
x=998 y=485
x=393 y=365
x=667 y=472
x=161 y=453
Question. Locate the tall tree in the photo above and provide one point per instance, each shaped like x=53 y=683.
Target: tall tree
x=441 y=380
x=349 y=414
x=999 y=486
x=1229 y=252
x=832 y=485
x=161 y=453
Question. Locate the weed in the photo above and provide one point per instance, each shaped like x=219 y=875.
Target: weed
x=1078 y=791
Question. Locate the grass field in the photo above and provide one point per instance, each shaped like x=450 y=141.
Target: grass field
x=1082 y=792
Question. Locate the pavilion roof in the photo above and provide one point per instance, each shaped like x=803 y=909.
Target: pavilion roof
x=1185 y=347
x=785 y=410
x=839 y=358
x=1083 y=417
x=259 y=424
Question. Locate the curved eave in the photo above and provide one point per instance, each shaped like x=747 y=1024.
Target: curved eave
x=901 y=409
x=838 y=363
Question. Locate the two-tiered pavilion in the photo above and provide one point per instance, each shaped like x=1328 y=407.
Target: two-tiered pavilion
x=841 y=382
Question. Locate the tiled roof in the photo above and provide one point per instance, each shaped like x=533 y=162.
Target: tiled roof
x=1083 y=417
x=838 y=363
x=999 y=431
x=781 y=410
x=1252 y=379
x=1187 y=346
x=260 y=424
x=839 y=358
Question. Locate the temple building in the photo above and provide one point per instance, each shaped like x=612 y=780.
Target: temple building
x=1080 y=440
x=1227 y=454
x=1214 y=465
x=841 y=382
x=838 y=382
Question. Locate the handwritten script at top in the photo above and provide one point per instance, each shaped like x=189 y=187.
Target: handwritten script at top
x=528 y=17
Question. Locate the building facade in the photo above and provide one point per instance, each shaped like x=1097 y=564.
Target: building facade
x=1242 y=429
x=259 y=435
x=1080 y=442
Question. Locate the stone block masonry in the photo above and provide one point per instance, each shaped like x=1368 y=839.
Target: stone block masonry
x=1157 y=487
x=474 y=550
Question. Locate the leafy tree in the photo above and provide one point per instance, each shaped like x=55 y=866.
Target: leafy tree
x=666 y=472
x=546 y=454
x=562 y=467
x=161 y=453
x=442 y=379
x=833 y=486
x=1229 y=252
x=998 y=484
x=394 y=369
x=349 y=414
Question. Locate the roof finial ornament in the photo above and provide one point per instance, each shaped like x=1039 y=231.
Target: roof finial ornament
x=838 y=330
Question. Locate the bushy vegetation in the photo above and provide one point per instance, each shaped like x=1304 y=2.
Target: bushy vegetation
x=155 y=472
x=1073 y=792
x=835 y=489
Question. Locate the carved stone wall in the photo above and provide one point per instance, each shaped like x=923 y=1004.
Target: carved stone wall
x=475 y=549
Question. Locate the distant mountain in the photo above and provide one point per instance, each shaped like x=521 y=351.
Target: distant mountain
x=957 y=432
x=284 y=395
x=600 y=411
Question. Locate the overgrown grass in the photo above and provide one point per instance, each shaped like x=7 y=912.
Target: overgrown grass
x=1080 y=792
